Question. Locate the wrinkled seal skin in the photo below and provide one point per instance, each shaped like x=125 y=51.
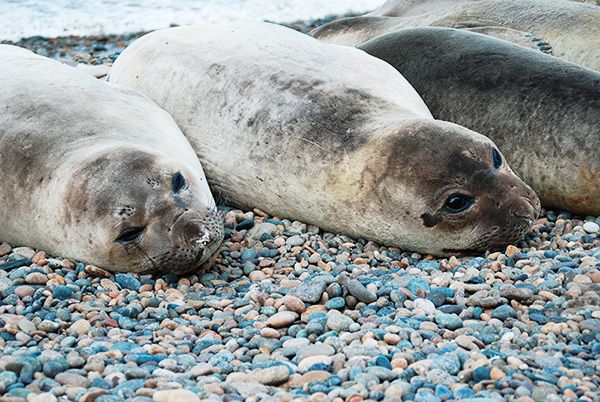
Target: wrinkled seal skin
x=82 y=161
x=543 y=112
x=327 y=135
x=567 y=29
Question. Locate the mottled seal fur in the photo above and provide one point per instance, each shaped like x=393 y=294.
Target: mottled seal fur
x=543 y=112
x=98 y=173
x=566 y=29
x=327 y=135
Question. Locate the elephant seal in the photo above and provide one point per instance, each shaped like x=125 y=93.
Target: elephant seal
x=567 y=29
x=98 y=173
x=328 y=135
x=543 y=112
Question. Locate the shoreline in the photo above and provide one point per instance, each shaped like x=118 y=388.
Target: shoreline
x=104 y=49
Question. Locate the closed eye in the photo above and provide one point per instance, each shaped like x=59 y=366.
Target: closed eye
x=130 y=235
x=178 y=182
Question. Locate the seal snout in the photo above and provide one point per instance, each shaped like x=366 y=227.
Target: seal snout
x=197 y=230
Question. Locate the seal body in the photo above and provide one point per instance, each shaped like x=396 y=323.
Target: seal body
x=328 y=135
x=543 y=112
x=567 y=29
x=98 y=173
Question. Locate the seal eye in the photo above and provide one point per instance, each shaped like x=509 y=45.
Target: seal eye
x=129 y=235
x=458 y=203
x=178 y=182
x=497 y=159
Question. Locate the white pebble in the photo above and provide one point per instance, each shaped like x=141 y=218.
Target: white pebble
x=591 y=227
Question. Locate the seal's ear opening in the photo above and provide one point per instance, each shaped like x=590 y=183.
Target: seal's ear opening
x=496 y=158
x=178 y=182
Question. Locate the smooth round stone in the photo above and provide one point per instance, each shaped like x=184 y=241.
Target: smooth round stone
x=591 y=227
x=339 y=322
x=426 y=305
x=72 y=380
x=44 y=397
x=36 y=278
x=282 y=319
x=62 y=292
x=309 y=291
x=360 y=292
x=7 y=378
x=437 y=297
x=450 y=321
x=354 y=327
x=418 y=286
x=294 y=304
x=481 y=374
x=26 y=326
x=311 y=361
x=48 y=326
x=270 y=333
x=79 y=327
x=337 y=303
x=175 y=395
x=52 y=368
x=383 y=361
x=256 y=276
x=296 y=343
x=295 y=241
x=127 y=281
x=504 y=312
x=24 y=291
x=248 y=254
x=319 y=349
x=272 y=375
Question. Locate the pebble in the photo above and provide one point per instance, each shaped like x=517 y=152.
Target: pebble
x=425 y=305
x=175 y=395
x=282 y=319
x=272 y=375
x=79 y=327
x=591 y=227
x=359 y=291
x=339 y=322
x=309 y=292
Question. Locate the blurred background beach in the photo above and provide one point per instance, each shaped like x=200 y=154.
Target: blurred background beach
x=52 y=18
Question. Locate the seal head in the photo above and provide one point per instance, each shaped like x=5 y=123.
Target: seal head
x=456 y=199
x=146 y=214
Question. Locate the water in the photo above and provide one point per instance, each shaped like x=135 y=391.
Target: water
x=23 y=18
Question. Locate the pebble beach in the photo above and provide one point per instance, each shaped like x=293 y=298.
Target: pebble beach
x=290 y=312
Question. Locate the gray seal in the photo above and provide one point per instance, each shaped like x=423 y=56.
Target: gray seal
x=566 y=29
x=328 y=135
x=543 y=112
x=98 y=173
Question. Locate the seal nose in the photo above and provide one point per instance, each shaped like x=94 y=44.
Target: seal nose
x=190 y=227
x=204 y=240
x=526 y=205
